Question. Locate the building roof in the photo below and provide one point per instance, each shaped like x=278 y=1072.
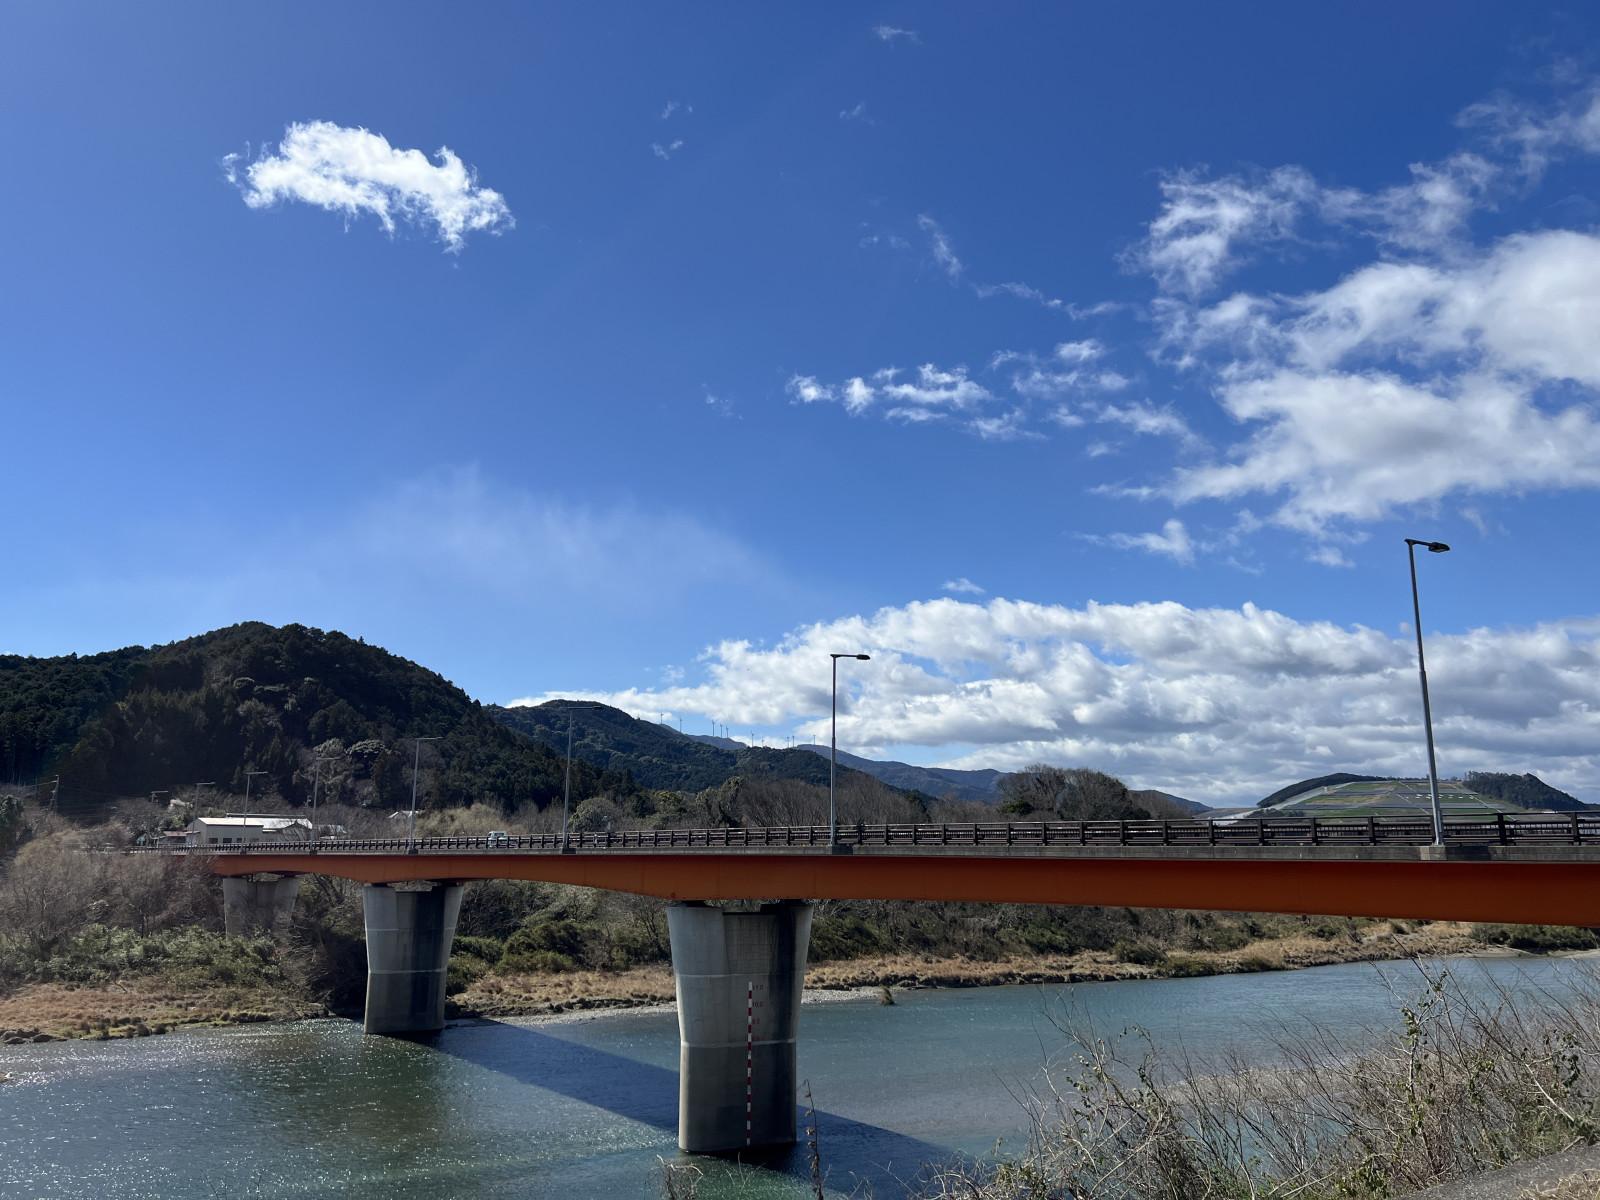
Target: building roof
x=253 y=822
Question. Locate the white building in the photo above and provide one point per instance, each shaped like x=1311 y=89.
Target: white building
x=242 y=830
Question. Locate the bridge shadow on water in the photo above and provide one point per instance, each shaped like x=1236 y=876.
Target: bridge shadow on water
x=854 y=1153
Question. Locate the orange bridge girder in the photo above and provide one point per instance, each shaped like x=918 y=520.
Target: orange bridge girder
x=1552 y=886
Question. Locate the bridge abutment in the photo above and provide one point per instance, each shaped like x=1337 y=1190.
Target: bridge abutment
x=409 y=930
x=739 y=976
x=260 y=903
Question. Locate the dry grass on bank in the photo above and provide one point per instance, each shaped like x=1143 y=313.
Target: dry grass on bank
x=566 y=991
x=135 y=1007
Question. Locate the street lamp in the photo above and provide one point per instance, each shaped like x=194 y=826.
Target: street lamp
x=566 y=786
x=1422 y=673
x=248 y=776
x=833 y=750
x=411 y=821
x=316 y=782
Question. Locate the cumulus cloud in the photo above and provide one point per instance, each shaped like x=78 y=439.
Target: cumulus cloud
x=1223 y=705
x=1407 y=382
x=354 y=171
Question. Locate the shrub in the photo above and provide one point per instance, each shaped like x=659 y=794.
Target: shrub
x=1141 y=952
x=543 y=945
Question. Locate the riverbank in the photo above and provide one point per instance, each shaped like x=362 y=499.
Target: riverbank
x=544 y=995
x=143 y=1005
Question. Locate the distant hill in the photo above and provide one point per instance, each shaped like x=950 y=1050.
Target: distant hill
x=1524 y=791
x=1146 y=796
x=654 y=755
x=938 y=782
x=256 y=697
x=1481 y=793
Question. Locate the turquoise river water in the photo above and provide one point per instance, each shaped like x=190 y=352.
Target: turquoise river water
x=586 y=1109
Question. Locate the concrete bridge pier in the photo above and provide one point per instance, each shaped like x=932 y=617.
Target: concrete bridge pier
x=261 y=903
x=739 y=975
x=409 y=930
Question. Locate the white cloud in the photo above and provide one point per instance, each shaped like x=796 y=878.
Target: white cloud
x=1224 y=705
x=674 y=106
x=856 y=113
x=1330 y=556
x=1203 y=222
x=940 y=246
x=1149 y=421
x=665 y=152
x=1171 y=541
x=1408 y=382
x=353 y=171
x=891 y=34
x=962 y=586
x=1009 y=426
x=1539 y=135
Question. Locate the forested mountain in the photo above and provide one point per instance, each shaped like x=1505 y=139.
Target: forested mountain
x=940 y=782
x=1525 y=791
x=257 y=698
x=656 y=756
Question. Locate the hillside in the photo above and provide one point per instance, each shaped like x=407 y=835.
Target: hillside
x=1478 y=791
x=939 y=782
x=653 y=755
x=1318 y=781
x=1152 y=799
x=1524 y=791
x=255 y=697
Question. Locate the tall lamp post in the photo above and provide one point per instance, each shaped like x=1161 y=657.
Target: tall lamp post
x=316 y=783
x=566 y=786
x=249 y=777
x=833 y=750
x=411 y=822
x=1422 y=674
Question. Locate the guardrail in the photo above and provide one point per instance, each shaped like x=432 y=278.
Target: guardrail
x=1579 y=828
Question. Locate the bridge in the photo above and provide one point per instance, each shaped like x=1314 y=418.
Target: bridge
x=739 y=969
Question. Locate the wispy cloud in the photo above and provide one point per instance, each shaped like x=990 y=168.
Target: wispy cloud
x=1171 y=541
x=354 y=171
x=891 y=34
x=855 y=113
x=961 y=586
x=664 y=152
x=939 y=244
x=674 y=106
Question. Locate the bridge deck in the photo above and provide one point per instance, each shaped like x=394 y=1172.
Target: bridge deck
x=1526 y=870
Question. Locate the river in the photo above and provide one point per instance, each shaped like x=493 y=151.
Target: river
x=583 y=1109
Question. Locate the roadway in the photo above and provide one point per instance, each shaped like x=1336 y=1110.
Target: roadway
x=1542 y=869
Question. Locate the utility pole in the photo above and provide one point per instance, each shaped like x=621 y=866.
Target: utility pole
x=55 y=792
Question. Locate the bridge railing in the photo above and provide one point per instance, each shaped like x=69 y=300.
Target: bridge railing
x=1579 y=828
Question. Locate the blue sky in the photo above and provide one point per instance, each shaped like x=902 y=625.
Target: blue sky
x=722 y=335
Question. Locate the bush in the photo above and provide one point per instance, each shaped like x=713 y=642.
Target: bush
x=1537 y=938
x=1141 y=952
x=543 y=944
